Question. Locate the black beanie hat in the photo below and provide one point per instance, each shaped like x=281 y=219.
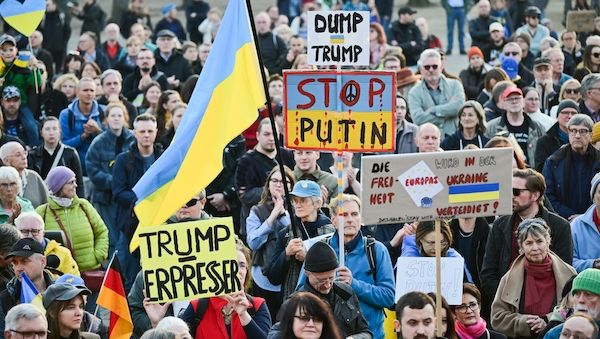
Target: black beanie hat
x=320 y=258
x=567 y=103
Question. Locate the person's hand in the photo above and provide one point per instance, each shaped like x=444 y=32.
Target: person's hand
x=407 y=229
x=350 y=175
x=301 y=254
x=345 y=275
x=114 y=98
x=144 y=81
x=277 y=209
x=290 y=56
x=16 y=211
x=173 y=81
x=239 y=302
x=91 y=127
x=324 y=193
x=536 y=324
x=155 y=312
x=293 y=247
x=218 y=201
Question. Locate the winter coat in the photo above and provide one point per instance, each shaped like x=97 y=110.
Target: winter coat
x=568 y=179
x=93 y=17
x=132 y=81
x=83 y=226
x=405 y=139
x=445 y=114
x=479 y=29
x=69 y=159
x=472 y=81
x=67 y=265
x=273 y=51
x=176 y=65
x=100 y=161
x=56 y=31
x=404 y=35
x=480 y=236
x=34 y=189
x=496 y=261
x=25 y=207
x=546 y=146
x=506 y=308
x=456 y=141
x=586 y=238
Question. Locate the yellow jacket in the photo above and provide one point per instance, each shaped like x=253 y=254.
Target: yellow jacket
x=67 y=265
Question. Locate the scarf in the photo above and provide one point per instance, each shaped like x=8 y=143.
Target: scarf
x=62 y=202
x=540 y=287
x=472 y=331
x=212 y=325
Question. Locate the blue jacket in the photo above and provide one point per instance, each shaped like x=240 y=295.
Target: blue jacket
x=373 y=294
x=585 y=240
x=555 y=332
x=410 y=249
x=568 y=178
x=100 y=159
x=71 y=124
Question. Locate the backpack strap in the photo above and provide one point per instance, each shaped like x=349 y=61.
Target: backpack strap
x=371 y=256
x=199 y=306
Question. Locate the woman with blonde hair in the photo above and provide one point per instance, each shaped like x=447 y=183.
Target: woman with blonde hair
x=62 y=94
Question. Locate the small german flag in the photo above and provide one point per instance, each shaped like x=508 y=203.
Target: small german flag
x=112 y=297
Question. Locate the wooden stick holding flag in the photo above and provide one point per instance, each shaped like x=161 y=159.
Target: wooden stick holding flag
x=113 y=298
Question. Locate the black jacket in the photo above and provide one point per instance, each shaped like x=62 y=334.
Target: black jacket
x=273 y=51
x=131 y=110
x=132 y=81
x=69 y=158
x=195 y=13
x=404 y=34
x=129 y=18
x=480 y=236
x=346 y=309
x=472 y=81
x=479 y=29
x=546 y=146
x=56 y=31
x=455 y=141
x=176 y=65
x=496 y=261
x=93 y=17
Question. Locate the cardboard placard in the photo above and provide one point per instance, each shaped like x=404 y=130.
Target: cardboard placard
x=340 y=111
x=581 y=21
x=439 y=185
x=418 y=274
x=338 y=38
x=189 y=260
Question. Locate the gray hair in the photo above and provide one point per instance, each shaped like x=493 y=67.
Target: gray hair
x=7 y=149
x=156 y=333
x=514 y=44
x=536 y=227
x=168 y=323
x=588 y=82
x=551 y=41
x=581 y=119
x=553 y=50
x=10 y=173
x=22 y=311
x=429 y=53
x=31 y=215
x=110 y=72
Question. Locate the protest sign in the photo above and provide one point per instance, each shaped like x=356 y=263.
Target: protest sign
x=338 y=38
x=340 y=111
x=581 y=21
x=195 y=259
x=438 y=185
x=418 y=274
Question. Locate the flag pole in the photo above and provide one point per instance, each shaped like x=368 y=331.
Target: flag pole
x=102 y=286
x=284 y=178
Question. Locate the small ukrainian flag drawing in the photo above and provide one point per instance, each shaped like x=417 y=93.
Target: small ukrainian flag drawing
x=473 y=192
x=336 y=39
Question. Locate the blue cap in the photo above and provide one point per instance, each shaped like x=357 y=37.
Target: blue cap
x=511 y=67
x=167 y=8
x=70 y=279
x=306 y=188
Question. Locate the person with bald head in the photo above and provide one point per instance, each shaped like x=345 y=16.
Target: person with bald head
x=272 y=48
x=428 y=138
x=111 y=46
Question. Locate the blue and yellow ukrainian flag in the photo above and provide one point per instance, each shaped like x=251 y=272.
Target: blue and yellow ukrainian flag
x=30 y=294
x=337 y=39
x=224 y=103
x=473 y=192
x=23 y=15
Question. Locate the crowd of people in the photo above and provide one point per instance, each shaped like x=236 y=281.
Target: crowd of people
x=80 y=127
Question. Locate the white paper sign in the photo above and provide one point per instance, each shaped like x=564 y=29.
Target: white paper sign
x=418 y=274
x=338 y=38
x=309 y=242
x=421 y=195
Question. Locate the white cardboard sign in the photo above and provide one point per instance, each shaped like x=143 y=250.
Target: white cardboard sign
x=418 y=274
x=338 y=38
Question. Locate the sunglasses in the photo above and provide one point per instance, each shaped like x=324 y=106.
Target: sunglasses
x=518 y=191
x=596 y=55
x=572 y=90
x=429 y=67
x=192 y=202
x=511 y=53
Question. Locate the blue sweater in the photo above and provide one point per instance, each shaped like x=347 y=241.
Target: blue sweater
x=585 y=240
x=373 y=294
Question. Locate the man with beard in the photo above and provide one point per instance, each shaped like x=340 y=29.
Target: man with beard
x=501 y=250
x=586 y=299
x=144 y=73
x=415 y=316
x=111 y=82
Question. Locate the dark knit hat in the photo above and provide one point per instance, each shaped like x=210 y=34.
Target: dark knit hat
x=320 y=258
x=588 y=280
x=567 y=103
x=58 y=177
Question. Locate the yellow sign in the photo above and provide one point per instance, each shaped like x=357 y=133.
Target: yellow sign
x=190 y=260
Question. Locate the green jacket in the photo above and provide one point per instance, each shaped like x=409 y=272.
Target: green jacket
x=22 y=78
x=25 y=207
x=89 y=237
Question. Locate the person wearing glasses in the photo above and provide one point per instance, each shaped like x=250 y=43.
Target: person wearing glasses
x=571 y=89
x=502 y=247
x=25 y=321
x=468 y=322
x=305 y=316
x=58 y=257
x=590 y=95
x=13 y=154
x=11 y=204
x=569 y=171
x=532 y=286
x=436 y=99
x=512 y=50
x=128 y=168
x=64 y=304
x=590 y=61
